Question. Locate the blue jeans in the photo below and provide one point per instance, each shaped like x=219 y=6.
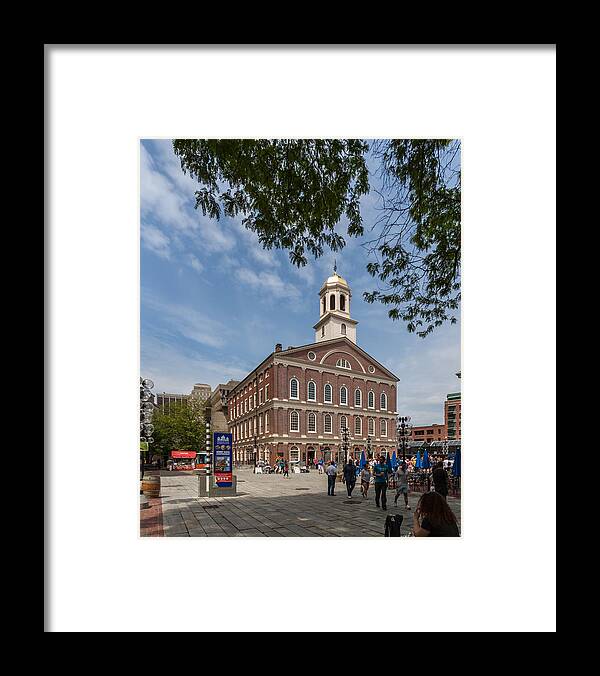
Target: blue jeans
x=331 y=485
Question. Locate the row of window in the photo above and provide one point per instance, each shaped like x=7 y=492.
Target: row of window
x=311 y=395
x=311 y=424
x=332 y=303
x=248 y=404
x=250 y=428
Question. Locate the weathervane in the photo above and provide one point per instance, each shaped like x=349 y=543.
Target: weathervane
x=335 y=265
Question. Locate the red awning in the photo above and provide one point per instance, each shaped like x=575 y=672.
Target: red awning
x=183 y=454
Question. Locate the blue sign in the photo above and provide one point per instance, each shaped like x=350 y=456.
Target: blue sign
x=223 y=456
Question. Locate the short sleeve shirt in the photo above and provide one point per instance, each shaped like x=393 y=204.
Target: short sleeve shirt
x=380 y=468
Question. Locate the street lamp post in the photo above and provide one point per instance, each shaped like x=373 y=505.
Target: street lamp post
x=368 y=447
x=208 y=456
x=344 y=431
x=146 y=411
x=402 y=432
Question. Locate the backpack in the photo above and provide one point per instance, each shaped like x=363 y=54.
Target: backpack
x=392 y=525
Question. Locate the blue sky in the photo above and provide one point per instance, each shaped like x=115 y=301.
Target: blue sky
x=214 y=303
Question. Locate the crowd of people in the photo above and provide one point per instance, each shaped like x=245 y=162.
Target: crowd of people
x=432 y=517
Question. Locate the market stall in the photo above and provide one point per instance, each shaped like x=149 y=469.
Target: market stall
x=181 y=460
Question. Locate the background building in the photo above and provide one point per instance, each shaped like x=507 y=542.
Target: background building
x=165 y=400
x=200 y=392
x=428 y=433
x=452 y=415
x=294 y=404
x=216 y=407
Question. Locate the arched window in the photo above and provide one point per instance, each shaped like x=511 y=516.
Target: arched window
x=343 y=395
x=357 y=397
x=343 y=329
x=312 y=422
x=293 y=388
x=294 y=454
x=358 y=426
x=328 y=394
x=323 y=330
x=371 y=427
x=343 y=304
x=383 y=405
x=294 y=421
x=343 y=364
x=324 y=305
x=332 y=302
x=371 y=399
x=384 y=428
x=327 y=425
x=312 y=391
x=343 y=422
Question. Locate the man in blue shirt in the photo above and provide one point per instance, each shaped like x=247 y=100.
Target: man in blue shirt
x=380 y=472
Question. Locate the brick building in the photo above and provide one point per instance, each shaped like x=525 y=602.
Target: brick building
x=452 y=415
x=428 y=433
x=294 y=404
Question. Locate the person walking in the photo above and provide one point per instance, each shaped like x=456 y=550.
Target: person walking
x=440 y=480
x=321 y=466
x=402 y=484
x=286 y=470
x=350 y=476
x=380 y=471
x=365 y=480
x=331 y=472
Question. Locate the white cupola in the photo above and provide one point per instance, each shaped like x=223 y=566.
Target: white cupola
x=334 y=310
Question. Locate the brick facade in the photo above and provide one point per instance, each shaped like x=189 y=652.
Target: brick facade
x=322 y=364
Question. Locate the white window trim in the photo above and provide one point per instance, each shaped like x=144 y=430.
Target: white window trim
x=359 y=405
x=330 y=400
x=371 y=423
x=297 y=388
x=383 y=408
x=368 y=404
x=358 y=433
x=345 y=419
x=310 y=416
x=298 y=418
x=343 y=387
x=324 y=419
x=383 y=425
x=308 y=397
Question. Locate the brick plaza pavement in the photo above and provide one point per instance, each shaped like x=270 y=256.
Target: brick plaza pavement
x=269 y=505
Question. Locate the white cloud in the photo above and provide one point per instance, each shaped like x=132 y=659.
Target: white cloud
x=169 y=200
x=427 y=374
x=195 y=263
x=269 y=282
x=156 y=240
x=187 y=322
x=173 y=370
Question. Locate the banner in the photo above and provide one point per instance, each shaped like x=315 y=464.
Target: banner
x=222 y=445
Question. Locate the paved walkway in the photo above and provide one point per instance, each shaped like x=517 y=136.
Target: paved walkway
x=269 y=505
